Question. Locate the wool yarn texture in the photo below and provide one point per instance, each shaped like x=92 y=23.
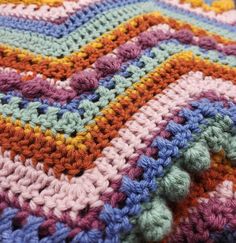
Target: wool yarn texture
x=117 y=121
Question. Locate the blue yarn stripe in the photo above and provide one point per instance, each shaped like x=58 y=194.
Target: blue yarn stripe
x=228 y=235
x=209 y=2
x=79 y=18
x=107 y=82
x=118 y=220
x=75 y=21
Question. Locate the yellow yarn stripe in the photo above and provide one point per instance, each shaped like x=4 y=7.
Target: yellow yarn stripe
x=97 y=42
x=218 y=6
x=81 y=137
x=37 y=2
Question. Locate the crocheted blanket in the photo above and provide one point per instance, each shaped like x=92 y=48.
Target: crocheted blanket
x=117 y=121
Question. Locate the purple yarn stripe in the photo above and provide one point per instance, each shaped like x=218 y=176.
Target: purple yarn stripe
x=104 y=66
x=206 y=220
x=90 y=219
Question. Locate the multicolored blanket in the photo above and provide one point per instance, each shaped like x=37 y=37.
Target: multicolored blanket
x=117 y=121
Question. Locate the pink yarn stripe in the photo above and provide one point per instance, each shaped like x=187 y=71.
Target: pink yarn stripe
x=61 y=13
x=45 y=12
x=57 y=196
x=228 y=17
x=225 y=190
x=217 y=210
x=66 y=84
x=54 y=82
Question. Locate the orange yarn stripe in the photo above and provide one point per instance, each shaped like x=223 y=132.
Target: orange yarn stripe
x=63 y=68
x=77 y=154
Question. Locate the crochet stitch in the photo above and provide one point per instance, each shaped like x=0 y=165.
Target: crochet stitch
x=117 y=121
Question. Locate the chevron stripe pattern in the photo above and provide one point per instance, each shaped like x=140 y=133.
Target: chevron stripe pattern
x=117 y=121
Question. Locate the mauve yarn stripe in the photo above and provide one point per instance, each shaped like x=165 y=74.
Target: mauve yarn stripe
x=228 y=17
x=212 y=207
x=60 y=14
x=55 y=15
x=107 y=193
x=88 y=79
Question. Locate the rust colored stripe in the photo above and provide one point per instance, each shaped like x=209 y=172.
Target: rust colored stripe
x=65 y=67
x=74 y=159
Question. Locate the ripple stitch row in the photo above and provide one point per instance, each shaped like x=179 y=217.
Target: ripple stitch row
x=117 y=121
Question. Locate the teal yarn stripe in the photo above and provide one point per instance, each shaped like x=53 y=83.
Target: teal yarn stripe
x=197 y=22
x=216 y=135
x=49 y=46
x=66 y=126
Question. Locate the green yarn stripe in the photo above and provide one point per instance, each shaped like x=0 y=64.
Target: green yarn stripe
x=197 y=22
x=71 y=122
x=50 y=46
x=155 y=220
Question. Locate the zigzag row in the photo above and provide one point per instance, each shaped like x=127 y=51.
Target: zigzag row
x=63 y=13
x=105 y=66
x=46 y=13
x=83 y=109
x=70 y=25
x=112 y=114
x=102 y=178
x=189 y=163
x=76 y=21
x=49 y=46
x=59 y=47
x=62 y=69
x=85 y=147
